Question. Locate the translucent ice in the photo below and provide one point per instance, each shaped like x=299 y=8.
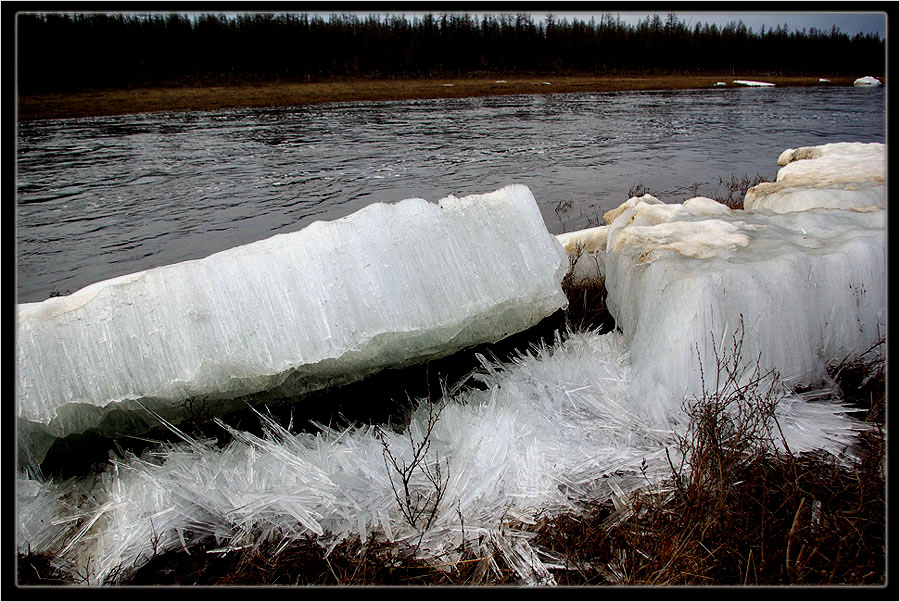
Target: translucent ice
x=545 y=432
x=808 y=287
x=390 y=285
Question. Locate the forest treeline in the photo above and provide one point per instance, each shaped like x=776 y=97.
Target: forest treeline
x=62 y=52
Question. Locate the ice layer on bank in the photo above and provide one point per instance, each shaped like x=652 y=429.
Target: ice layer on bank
x=806 y=286
x=843 y=175
x=545 y=432
x=390 y=285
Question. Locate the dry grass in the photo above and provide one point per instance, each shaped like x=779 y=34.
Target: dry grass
x=758 y=517
x=587 y=308
x=306 y=562
x=781 y=520
x=95 y=103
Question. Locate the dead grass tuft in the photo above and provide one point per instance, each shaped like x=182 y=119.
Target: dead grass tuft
x=744 y=513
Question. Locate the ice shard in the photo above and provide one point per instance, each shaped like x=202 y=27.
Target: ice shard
x=391 y=285
x=543 y=434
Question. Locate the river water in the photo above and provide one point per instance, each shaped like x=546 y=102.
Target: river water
x=102 y=197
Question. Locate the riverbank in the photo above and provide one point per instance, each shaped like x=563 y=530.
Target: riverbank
x=97 y=103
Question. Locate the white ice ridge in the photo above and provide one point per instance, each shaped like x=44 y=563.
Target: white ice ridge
x=843 y=175
x=550 y=429
x=808 y=286
x=390 y=285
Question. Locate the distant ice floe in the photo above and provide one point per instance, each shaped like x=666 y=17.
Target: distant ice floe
x=721 y=84
x=590 y=417
x=823 y=80
x=751 y=83
x=867 y=81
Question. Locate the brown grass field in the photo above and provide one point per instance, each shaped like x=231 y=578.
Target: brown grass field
x=95 y=103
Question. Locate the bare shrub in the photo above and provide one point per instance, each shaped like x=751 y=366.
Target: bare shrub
x=735 y=189
x=419 y=508
x=587 y=297
x=729 y=423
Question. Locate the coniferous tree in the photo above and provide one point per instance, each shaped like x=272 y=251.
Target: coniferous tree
x=76 y=51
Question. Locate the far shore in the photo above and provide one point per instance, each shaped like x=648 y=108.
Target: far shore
x=97 y=103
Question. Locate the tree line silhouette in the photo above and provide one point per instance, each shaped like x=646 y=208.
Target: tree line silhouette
x=60 y=52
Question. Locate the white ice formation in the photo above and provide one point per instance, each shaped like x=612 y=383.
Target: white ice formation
x=550 y=430
x=831 y=176
x=390 y=285
x=867 y=81
x=808 y=287
x=752 y=84
x=801 y=269
x=590 y=417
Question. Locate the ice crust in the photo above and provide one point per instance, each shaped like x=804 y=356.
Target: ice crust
x=391 y=285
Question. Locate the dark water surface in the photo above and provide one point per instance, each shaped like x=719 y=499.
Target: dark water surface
x=102 y=197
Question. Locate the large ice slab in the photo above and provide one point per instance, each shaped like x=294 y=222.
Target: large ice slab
x=808 y=287
x=390 y=285
x=834 y=163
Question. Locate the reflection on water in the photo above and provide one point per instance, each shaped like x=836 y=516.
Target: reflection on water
x=102 y=197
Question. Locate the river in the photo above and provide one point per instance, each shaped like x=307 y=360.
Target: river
x=102 y=197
